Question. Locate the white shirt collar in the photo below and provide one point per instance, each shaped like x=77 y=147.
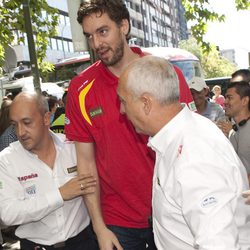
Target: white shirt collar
x=169 y=131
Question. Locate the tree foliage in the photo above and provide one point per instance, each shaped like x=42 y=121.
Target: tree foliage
x=216 y=65
x=213 y=64
x=44 y=22
x=199 y=13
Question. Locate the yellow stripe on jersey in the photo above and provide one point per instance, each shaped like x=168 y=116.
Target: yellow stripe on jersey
x=82 y=97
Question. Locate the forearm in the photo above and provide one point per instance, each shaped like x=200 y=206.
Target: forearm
x=86 y=165
x=92 y=202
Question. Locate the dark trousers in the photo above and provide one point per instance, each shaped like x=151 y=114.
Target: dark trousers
x=85 y=240
x=134 y=238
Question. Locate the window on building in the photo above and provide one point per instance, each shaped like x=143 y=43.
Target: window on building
x=71 y=48
x=49 y=44
x=66 y=46
x=139 y=25
x=62 y=19
x=54 y=44
x=137 y=8
x=67 y=21
x=155 y=19
x=60 y=44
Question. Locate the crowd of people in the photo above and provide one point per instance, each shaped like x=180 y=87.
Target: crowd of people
x=133 y=159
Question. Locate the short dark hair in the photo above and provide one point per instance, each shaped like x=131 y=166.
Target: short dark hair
x=242 y=89
x=116 y=10
x=244 y=73
x=52 y=101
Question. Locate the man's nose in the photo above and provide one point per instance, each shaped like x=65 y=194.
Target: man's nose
x=96 y=42
x=19 y=130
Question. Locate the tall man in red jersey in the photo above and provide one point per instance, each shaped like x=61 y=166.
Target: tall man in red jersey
x=106 y=141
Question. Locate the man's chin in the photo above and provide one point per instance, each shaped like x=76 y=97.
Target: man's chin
x=139 y=131
x=108 y=63
x=27 y=146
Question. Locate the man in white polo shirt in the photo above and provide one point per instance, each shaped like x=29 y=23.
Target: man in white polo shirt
x=198 y=177
x=39 y=187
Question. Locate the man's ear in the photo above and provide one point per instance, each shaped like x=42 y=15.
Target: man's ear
x=125 y=26
x=46 y=118
x=245 y=100
x=147 y=103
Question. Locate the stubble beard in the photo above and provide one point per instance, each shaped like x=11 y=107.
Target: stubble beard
x=117 y=56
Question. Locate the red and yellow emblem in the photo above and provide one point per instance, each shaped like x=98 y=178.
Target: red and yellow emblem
x=82 y=97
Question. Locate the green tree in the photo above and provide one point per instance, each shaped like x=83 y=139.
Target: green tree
x=199 y=13
x=44 y=22
x=213 y=64
x=192 y=46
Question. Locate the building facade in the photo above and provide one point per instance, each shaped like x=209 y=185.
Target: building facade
x=153 y=23
x=157 y=22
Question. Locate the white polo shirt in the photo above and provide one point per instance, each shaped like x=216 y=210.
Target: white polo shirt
x=30 y=197
x=197 y=185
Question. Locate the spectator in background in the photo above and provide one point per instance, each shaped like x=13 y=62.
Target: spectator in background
x=7 y=131
x=241 y=75
x=200 y=91
x=53 y=104
x=218 y=97
x=9 y=96
x=57 y=125
x=237 y=106
x=7 y=134
x=21 y=67
x=198 y=178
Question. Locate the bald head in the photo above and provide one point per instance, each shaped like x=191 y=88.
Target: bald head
x=32 y=98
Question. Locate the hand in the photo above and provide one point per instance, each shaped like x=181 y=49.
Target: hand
x=225 y=126
x=246 y=194
x=80 y=185
x=107 y=240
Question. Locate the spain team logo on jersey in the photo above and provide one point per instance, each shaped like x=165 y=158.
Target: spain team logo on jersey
x=82 y=101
